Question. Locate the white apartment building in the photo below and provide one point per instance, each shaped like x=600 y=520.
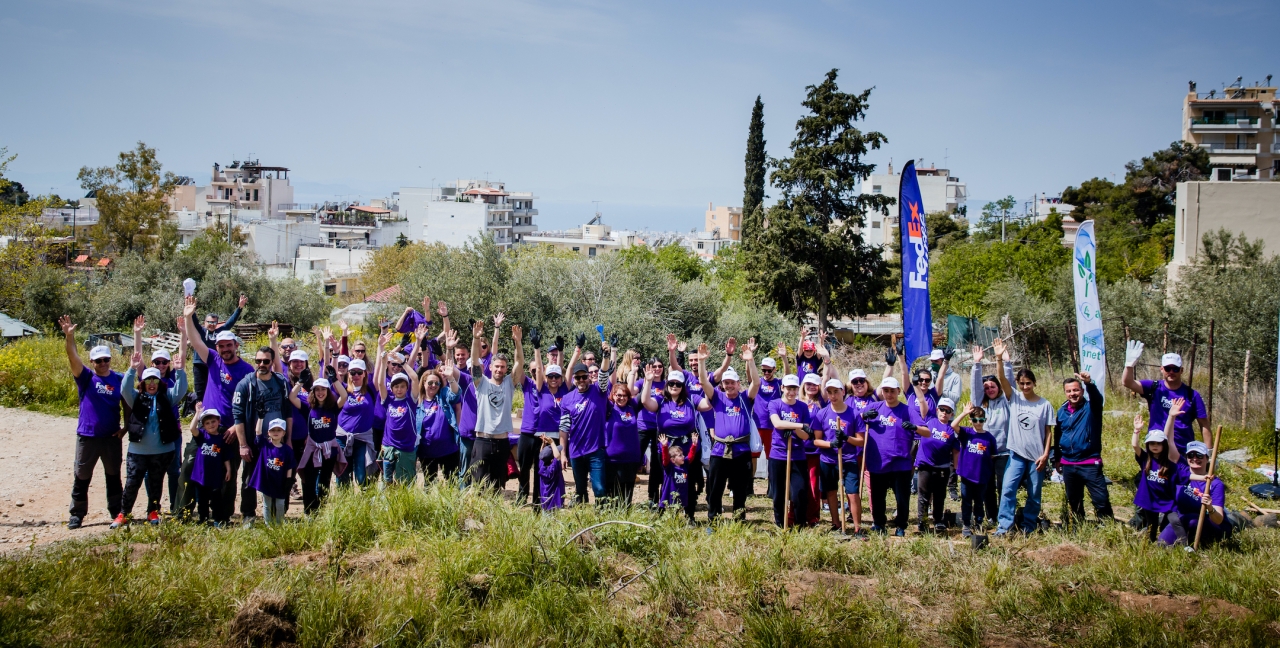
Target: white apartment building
x=451 y=214
x=243 y=186
x=591 y=240
x=1238 y=127
x=939 y=191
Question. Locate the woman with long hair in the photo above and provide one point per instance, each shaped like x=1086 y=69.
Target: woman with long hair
x=988 y=392
x=835 y=431
x=321 y=456
x=1158 y=462
x=355 y=424
x=790 y=418
x=675 y=411
x=437 y=420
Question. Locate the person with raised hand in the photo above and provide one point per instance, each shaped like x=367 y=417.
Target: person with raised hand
x=890 y=426
x=787 y=479
x=528 y=445
x=260 y=398
x=493 y=411
x=400 y=435
x=1197 y=493
x=731 y=404
x=933 y=464
x=991 y=393
x=676 y=410
x=1160 y=393
x=1158 y=463
x=356 y=423
x=467 y=403
x=1030 y=418
x=321 y=456
x=208 y=335
x=973 y=461
x=811 y=356
x=770 y=390
x=838 y=440
x=647 y=423
x=437 y=421
x=583 y=423
x=153 y=427
x=1080 y=447
x=621 y=431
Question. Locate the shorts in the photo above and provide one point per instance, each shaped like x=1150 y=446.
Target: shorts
x=831 y=477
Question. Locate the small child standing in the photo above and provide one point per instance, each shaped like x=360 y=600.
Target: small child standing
x=550 y=475
x=675 y=477
x=974 y=461
x=1161 y=467
x=273 y=473
x=212 y=466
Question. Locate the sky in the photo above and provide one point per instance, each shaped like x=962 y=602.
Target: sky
x=642 y=106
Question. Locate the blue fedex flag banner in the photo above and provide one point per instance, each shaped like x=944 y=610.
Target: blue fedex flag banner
x=917 y=315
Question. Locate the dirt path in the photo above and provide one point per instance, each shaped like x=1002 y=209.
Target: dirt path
x=37 y=453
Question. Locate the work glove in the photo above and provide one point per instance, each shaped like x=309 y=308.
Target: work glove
x=680 y=359
x=909 y=426
x=890 y=357
x=870 y=415
x=947 y=353
x=841 y=438
x=1133 y=352
x=581 y=340
x=786 y=434
x=613 y=340
x=560 y=342
x=434 y=345
x=535 y=338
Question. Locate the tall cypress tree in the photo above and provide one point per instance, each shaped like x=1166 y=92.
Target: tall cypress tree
x=753 y=183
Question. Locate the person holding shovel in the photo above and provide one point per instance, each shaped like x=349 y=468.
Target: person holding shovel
x=1197 y=490
x=787 y=477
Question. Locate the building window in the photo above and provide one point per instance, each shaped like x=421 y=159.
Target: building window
x=591 y=251
x=577 y=249
x=699 y=246
x=875 y=224
x=875 y=188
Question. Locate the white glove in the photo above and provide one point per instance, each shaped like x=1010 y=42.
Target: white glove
x=1132 y=352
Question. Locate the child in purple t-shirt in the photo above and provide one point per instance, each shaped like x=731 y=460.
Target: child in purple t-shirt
x=675 y=476
x=550 y=475
x=212 y=466
x=273 y=474
x=974 y=457
x=1159 y=470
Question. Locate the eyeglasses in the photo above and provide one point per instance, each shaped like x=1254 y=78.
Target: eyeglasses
x=433 y=383
x=979 y=419
x=1195 y=455
x=395 y=364
x=1173 y=369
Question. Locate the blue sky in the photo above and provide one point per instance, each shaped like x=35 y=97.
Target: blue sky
x=642 y=106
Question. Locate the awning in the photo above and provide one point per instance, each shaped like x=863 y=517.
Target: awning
x=1233 y=161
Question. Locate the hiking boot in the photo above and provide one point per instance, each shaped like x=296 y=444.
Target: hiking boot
x=153 y=518
x=900 y=533
x=74 y=523
x=120 y=521
x=966 y=532
x=922 y=528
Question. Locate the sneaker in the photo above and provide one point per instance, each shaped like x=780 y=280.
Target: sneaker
x=248 y=523
x=922 y=528
x=966 y=532
x=900 y=533
x=877 y=529
x=153 y=518
x=74 y=523
x=939 y=529
x=835 y=528
x=120 y=521
x=1000 y=533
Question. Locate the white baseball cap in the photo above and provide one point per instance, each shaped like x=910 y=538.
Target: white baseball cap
x=812 y=379
x=1155 y=436
x=937 y=354
x=675 y=376
x=730 y=374
x=226 y=336
x=321 y=382
x=555 y=370
x=160 y=353
x=355 y=365
x=947 y=402
x=99 y=352
x=276 y=424
x=299 y=355
x=790 y=380
x=769 y=362
x=834 y=383
x=1171 y=359
x=398 y=377
x=152 y=372
x=395 y=356
x=210 y=412
x=890 y=382
x=346 y=360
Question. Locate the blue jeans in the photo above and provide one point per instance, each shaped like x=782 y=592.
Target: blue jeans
x=589 y=467
x=356 y=467
x=465 y=444
x=1018 y=469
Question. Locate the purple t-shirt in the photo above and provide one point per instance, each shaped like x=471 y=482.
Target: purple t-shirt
x=797 y=413
x=100 y=403
x=399 y=432
x=675 y=485
x=1188 y=500
x=321 y=423
x=550 y=480
x=831 y=423
x=731 y=421
x=621 y=434
x=770 y=390
x=209 y=469
x=358 y=412
x=676 y=420
x=1160 y=398
x=270 y=469
x=809 y=448
x=977 y=450
x=467 y=419
x=586 y=420
x=930 y=397
x=935 y=449
x=220 y=391
x=888 y=444
x=648 y=420
x=412 y=320
x=695 y=390
x=549 y=412
x=806 y=366
x=1156 y=492
x=529 y=413
x=437 y=437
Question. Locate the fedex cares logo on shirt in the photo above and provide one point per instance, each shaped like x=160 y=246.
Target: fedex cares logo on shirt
x=1166 y=403
x=224 y=376
x=626 y=417
x=1193 y=490
x=105 y=389
x=1154 y=477
x=790 y=417
x=677 y=414
x=976 y=447
x=766 y=388
x=837 y=425
x=397 y=411
x=210 y=450
x=324 y=420
x=941 y=435
x=275 y=464
x=431 y=409
x=888 y=421
x=356 y=399
x=578 y=407
x=733 y=410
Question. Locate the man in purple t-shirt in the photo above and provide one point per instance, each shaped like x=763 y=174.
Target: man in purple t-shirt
x=98 y=431
x=1160 y=395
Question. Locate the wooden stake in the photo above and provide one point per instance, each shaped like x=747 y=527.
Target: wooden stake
x=1208 y=482
x=1244 y=401
x=1189 y=376
x=1211 y=370
x=786 y=494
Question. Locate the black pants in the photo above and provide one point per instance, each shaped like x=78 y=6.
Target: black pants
x=736 y=472
x=972 y=503
x=211 y=504
x=931 y=491
x=527 y=450
x=316 y=481
x=900 y=482
x=144 y=469
x=620 y=480
x=489 y=462
x=1075 y=479
x=201 y=372
x=1153 y=521
x=248 y=496
x=90 y=451
x=649 y=441
x=991 y=496
x=798 y=487
x=447 y=466
x=187 y=492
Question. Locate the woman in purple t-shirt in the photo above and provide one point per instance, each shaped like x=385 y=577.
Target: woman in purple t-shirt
x=1158 y=470
x=811 y=395
x=890 y=426
x=400 y=432
x=355 y=424
x=790 y=418
x=835 y=429
x=622 y=439
x=320 y=457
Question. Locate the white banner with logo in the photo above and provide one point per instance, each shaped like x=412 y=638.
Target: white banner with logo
x=1093 y=352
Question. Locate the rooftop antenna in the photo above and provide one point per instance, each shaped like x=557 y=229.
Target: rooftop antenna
x=598 y=217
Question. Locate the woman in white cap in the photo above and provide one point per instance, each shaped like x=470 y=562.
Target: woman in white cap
x=1158 y=463
x=835 y=434
x=811 y=395
x=676 y=410
x=153 y=429
x=1195 y=492
x=321 y=456
x=890 y=426
x=933 y=464
x=355 y=424
x=731 y=432
x=790 y=418
x=1160 y=393
x=859 y=394
x=770 y=390
x=438 y=395
x=988 y=391
x=399 y=453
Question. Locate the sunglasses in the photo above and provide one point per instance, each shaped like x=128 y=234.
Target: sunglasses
x=946 y=410
x=357 y=372
x=766 y=369
x=102 y=361
x=395 y=364
x=160 y=361
x=289 y=346
x=433 y=383
x=150 y=380
x=923 y=381
x=991 y=379
x=1173 y=369
x=858 y=381
x=263 y=360
x=581 y=378
x=674 y=383
x=1196 y=455
x=979 y=419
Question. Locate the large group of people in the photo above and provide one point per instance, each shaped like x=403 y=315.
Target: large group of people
x=416 y=400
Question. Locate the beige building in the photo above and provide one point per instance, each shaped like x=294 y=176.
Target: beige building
x=1238 y=127
x=724 y=222
x=591 y=240
x=1252 y=208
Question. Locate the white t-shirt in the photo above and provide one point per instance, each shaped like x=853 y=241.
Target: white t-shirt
x=1027 y=423
x=493 y=405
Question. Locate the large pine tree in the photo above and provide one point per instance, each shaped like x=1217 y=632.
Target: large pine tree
x=753 y=182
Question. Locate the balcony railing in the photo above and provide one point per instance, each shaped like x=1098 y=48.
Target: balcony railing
x=350 y=222
x=1230 y=148
x=1224 y=121
x=1275 y=148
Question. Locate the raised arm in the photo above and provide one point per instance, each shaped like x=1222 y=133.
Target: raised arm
x=235 y=315
x=730 y=348
x=477 y=333
x=517 y=338
x=380 y=366
x=977 y=394
x=539 y=374
x=180 y=358
x=1132 y=354
x=294 y=393
x=69 y=333
x=273 y=339
x=707 y=388
x=1002 y=360
x=646 y=394
x=749 y=358
x=193 y=337
x=341 y=389
x=1177 y=407
x=497 y=330
x=672 y=345
x=781 y=352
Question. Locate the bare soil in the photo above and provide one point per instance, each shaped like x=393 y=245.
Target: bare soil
x=1175 y=607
